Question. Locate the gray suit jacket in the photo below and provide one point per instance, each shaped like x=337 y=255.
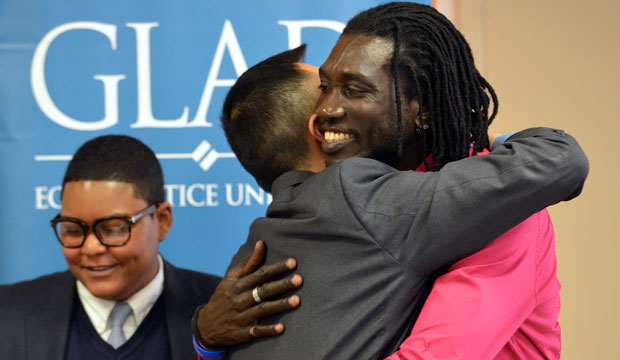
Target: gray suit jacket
x=35 y=315
x=368 y=238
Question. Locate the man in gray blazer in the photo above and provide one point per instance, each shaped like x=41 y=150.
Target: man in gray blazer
x=112 y=220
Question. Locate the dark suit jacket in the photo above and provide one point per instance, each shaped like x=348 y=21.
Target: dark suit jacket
x=368 y=238
x=35 y=315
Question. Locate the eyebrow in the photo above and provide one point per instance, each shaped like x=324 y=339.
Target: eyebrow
x=348 y=76
x=99 y=218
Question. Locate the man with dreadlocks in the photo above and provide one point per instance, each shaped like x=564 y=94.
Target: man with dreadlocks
x=370 y=239
x=439 y=113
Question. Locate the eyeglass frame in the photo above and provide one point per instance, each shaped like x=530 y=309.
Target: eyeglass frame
x=129 y=220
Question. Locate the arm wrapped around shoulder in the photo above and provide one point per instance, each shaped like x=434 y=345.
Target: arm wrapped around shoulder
x=562 y=152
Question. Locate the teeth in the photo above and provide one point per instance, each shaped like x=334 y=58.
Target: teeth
x=336 y=136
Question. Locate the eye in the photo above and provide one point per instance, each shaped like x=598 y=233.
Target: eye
x=113 y=228
x=70 y=229
x=324 y=88
x=354 y=92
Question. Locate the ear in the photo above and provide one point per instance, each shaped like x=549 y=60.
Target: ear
x=415 y=108
x=164 y=219
x=313 y=128
x=425 y=114
x=316 y=156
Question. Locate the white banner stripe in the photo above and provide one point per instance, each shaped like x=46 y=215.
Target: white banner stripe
x=159 y=156
x=174 y=156
x=53 y=157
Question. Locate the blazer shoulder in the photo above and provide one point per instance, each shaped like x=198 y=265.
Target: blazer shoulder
x=187 y=281
x=25 y=293
x=357 y=167
x=202 y=278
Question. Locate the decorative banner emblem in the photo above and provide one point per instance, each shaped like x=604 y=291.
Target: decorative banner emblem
x=203 y=154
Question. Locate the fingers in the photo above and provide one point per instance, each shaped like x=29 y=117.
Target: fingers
x=260 y=330
x=278 y=287
x=266 y=272
x=268 y=308
x=270 y=289
x=250 y=332
x=232 y=310
x=250 y=263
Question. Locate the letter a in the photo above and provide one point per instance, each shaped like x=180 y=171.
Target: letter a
x=227 y=39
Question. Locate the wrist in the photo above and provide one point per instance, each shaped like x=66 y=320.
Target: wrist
x=198 y=340
x=206 y=353
x=500 y=139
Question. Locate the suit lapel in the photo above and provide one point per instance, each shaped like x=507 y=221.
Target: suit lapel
x=47 y=328
x=180 y=295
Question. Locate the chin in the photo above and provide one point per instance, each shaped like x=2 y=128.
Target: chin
x=332 y=161
x=100 y=291
x=103 y=289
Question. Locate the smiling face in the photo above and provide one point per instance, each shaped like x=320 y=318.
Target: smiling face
x=114 y=273
x=356 y=110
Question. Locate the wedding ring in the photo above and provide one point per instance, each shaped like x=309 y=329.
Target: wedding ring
x=255 y=296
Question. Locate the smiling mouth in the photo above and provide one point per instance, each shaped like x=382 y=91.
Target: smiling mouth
x=98 y=268
x=334 y=141
x=336 y=136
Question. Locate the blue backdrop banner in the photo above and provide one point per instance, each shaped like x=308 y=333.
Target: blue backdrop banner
x=155 y=70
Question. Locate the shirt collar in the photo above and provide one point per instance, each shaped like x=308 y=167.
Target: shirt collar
x=98 y=309
x=288 y=179
x=429 y=159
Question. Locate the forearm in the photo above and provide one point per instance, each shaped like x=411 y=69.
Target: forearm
x=477 y=199
x=429 y=219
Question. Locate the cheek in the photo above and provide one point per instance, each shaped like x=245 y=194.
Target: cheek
x=123 y=254
x=365 y=116
x=143 y=245
x=319 y=102
x=71 y=255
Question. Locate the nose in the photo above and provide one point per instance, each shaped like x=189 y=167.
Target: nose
x=329 y=109
x=333 y=111
x=330 y=115
x=92 y=245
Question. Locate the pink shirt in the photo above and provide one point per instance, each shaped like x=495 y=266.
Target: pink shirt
x=502 y=302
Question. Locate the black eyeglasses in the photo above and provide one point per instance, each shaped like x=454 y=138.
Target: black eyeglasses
x=110 y=231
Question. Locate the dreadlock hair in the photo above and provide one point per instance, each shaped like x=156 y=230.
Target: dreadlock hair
x=119 y=158
x=434 y=62
x=265 y=116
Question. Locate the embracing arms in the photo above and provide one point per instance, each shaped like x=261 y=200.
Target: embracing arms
x=428 y=220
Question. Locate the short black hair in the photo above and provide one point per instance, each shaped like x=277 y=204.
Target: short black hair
x=119 y=158
x=435 y=63
x=265 y=116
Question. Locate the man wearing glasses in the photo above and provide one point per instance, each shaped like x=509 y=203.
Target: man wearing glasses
x=120 y=299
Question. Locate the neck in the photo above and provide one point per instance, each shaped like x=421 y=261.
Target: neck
x=312 y=164
x=315 y=159
x=413 y=156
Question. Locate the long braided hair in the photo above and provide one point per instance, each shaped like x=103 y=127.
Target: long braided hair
x=434 y=62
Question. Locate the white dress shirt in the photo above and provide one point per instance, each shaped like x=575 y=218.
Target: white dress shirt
x=98 y=310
